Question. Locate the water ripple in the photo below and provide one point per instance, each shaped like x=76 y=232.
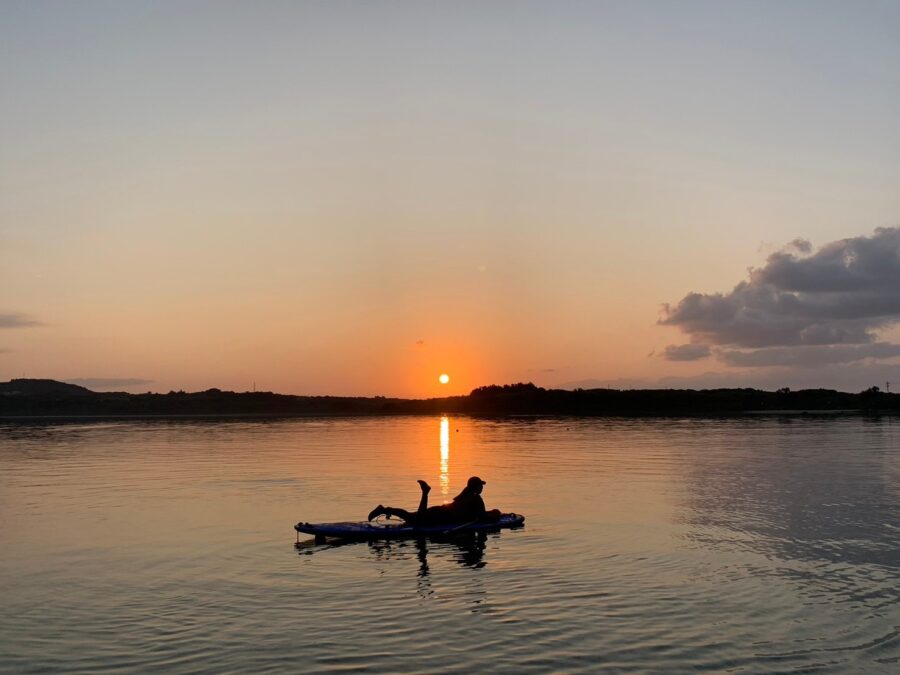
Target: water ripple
x=650 y=546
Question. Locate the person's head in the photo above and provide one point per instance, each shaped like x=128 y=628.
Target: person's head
x=475 y=485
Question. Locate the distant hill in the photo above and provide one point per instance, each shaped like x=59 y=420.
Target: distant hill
x=32 y=387
x=43 y=398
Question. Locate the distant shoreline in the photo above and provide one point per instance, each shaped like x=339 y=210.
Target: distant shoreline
x=49 y=399
x=256 y=417
x=338 y=415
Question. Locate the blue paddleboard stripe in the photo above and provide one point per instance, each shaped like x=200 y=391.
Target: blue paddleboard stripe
x=367 y=530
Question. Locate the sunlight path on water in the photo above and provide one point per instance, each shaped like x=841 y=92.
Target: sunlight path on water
x=445 y=457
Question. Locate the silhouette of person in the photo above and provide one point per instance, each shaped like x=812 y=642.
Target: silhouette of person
x=466 y=507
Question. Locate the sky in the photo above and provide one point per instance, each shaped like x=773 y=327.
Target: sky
x=352 y=198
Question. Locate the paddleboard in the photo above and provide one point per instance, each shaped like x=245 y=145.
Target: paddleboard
x=388 y=530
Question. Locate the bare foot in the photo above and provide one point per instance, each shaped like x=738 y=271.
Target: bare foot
x=426 y=488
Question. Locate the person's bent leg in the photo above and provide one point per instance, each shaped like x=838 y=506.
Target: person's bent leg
x=423 y=502
x=402 y=513
x=389 y=511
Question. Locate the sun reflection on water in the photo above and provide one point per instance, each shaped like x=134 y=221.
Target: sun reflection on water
x=445 y=456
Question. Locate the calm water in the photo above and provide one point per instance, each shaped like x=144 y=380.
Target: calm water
x=756 y=545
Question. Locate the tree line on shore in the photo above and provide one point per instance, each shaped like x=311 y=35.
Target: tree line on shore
x=29 y=397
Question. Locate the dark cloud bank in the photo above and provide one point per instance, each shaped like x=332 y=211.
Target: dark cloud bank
x=689 y=352
x=802 y=309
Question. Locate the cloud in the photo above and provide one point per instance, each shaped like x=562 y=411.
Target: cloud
x=870 y=264
x=809 y=356
x=842 y=294
x=16 y=320
x=109 y=382
x=800 y=245
x=689 y=352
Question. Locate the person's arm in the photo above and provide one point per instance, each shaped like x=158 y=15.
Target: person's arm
x=486 y=516
x=479 y=508
x=492 y=516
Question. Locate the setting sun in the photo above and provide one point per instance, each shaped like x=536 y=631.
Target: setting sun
x=444 y=378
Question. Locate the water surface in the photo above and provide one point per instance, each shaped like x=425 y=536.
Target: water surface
x=760 y=545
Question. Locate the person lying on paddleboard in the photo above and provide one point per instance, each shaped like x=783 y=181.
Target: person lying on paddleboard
x=466 y=507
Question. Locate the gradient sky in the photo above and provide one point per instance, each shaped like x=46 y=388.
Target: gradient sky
x=351 y=198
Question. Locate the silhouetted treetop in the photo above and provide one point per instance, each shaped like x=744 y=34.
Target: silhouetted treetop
x=494 y=389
